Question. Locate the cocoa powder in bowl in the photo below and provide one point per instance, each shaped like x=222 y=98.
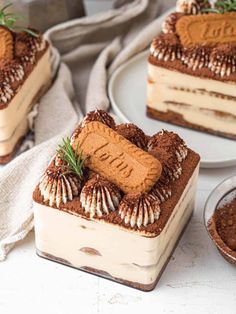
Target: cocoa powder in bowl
x=225 y=221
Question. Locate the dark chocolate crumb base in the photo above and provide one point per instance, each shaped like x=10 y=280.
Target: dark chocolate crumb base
x=74 y=207
x=177 y=119
x=53 y=258
x=106 y=275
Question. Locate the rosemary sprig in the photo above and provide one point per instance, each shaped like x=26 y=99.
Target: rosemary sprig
x=74 y=161
x=222 y=7
x=8 y=20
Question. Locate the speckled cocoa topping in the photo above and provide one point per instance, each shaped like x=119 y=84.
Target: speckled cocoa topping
x=169 y=141
x=196 y=57
x=171 y=150
x=166 y=47
x=217 y=62
x=134 y=134
x=161 y=190
x=172 y=169
x=169 y=24
x=58 y=186
x=99 y=196
x=223 y=60
x=101 y=116
x=139 y=209
x=13 y=73
x=164 y=138
x=225 y=220
x=99 y=199
x=192 y=6
x=25 y=43
x=97 y=115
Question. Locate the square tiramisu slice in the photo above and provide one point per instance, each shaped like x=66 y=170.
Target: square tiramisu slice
x=192 y=68
x=114 y=201
x=25 y=74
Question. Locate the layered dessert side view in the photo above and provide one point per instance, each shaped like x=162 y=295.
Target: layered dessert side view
x=114 y=201
x=192 y=68
x=25 y=74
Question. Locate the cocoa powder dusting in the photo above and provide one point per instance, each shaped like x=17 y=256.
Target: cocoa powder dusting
x=225 y=220
x=74 y=207
x=134 y=134
x=27 y=51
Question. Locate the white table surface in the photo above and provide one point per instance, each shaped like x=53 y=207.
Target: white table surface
x=197 y=279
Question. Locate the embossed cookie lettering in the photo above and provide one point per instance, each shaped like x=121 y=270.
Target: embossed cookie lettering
x=210 y=29
x=6 y=44
x=116 y=159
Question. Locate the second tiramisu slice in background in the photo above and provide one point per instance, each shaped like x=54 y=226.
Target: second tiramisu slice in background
x=25 y=74
x=192 y=68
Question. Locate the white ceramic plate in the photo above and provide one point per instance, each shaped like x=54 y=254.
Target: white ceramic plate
x=127 y=91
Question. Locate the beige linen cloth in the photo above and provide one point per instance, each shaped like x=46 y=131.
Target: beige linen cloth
x=92 y=48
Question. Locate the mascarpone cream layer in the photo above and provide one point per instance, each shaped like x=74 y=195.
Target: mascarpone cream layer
x=22 y=102
x=8 y=146
x=121 y=253
x=199 y=106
